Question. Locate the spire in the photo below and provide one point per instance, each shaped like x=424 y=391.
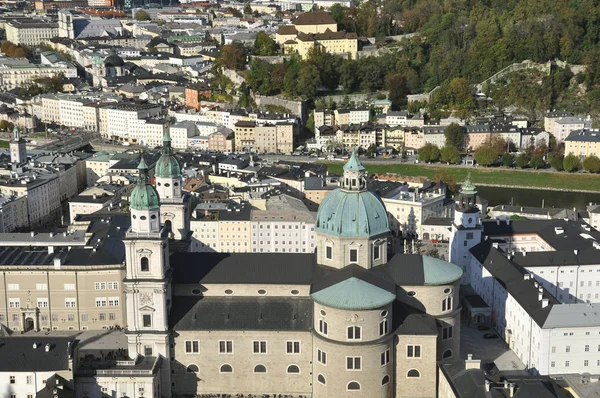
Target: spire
x=167 y=149
x=354 y=163
x=143 y=171
x=16 y=134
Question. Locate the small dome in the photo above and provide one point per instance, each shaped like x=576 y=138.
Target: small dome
x=440 y=272
x=144 y=195
x=353 y=294
x=167 y=166
x=114 y=60
x=352 y=214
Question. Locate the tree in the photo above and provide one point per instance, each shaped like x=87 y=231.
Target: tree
x=571 y=163
x=557 y=162
x=537 y=162
x=447 y=179
x=429 y=153
x=264 y=45
x=523 y=160
x=455 y=136
x=141 y=15
x=591 y=164
x=508 y=159
x=309 y=81
x=371 y=150
x=486 y=156
x=449 y=154
x=3 y=125
x=247 y=9
x=234 y=56
x=498 y=144
x=396 y=84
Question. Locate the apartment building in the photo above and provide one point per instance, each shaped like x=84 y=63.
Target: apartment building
x=264 y=138
x=561 y=125
x=583 y=143
x=133 y=123
x=30 y=32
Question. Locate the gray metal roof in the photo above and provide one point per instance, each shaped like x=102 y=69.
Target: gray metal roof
x=18 y=354
x=573 y=315
x=241 y=313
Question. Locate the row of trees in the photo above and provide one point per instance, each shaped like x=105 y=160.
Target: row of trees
x=14 y=51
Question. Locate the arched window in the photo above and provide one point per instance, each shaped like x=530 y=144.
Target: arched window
x=447 y=354
x=260 y=369
x=226 y=369
x=354 y=333
x=447 y=304
x=144 y=264
x=321 y=379
x=385 y=380
x=353 y=386
x=192 y=368
x=293 y=369
x=413 y=373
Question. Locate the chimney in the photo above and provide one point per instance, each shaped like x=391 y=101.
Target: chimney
x=506 y=384
x=508 y=221
x=497 y=221
x=35 y=346
x=526 y=277
x=50 y=249
x=57 y=263
x=47 y=348
x=487 y=385
x=576 y=251
x=32 y=234
x=511 y=390
x=471 y=363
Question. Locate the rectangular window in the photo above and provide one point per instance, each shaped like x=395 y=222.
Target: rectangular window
x=413 y=351
x=13 y=286
x=192 y=346
x=353 y=255
x=322 y=327
x=148 y=350
x=28 y=379
x=42 y=302
x=587 y=348
x=12 y=379
x=385 y=357
x=447 y=304
x=568 y=348
x=259 y=347
x=100 y=301
x=225 y=346
x=383 y=327
x=69 y=286
x=147 y=321
x=447 y=333
x=322 y=357
x=376 y=252
x=328 y=252
x=41 y=286
x=70 y=303
x=14 y=303
x=586 y=363
x=113 y=301
x=293 y=347
x=353 y=363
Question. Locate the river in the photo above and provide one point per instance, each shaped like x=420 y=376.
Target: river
x=534 y=197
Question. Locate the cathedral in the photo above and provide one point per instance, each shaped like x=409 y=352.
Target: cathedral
x=352 y=319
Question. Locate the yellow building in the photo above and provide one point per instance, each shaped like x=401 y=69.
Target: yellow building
x=583 y=143
x=316 y=29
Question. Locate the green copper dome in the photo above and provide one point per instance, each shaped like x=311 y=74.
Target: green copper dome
x=354 y=164
x=440 y=272
x=352 y=214
x=353 y=294
x=144 y=195
x=167 y=166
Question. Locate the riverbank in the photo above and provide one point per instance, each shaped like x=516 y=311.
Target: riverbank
x=497 y=177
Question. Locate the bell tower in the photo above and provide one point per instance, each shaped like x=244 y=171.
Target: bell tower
x=147 y=281
x=466 y=228
x=174 y=208
x=18 y=150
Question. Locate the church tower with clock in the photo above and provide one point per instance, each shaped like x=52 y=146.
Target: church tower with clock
x=466 y=227
x=147 y=281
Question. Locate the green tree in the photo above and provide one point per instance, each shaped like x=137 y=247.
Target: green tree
x=449 y=154
x=247 y=9
x=455 y=136
x=486 y=156
x=571 y=163
x=234 y=56
x=523 y=160
x=396 y=84
x=508 y=159
x=537 y=162
x=264 y=45
x=3 y=125
x=447 y=179
x=309 y=81
x=371 y=150
x=348 y=75
x=141 y=15
x=429 y=153
x=557 y=162
x=591 y=164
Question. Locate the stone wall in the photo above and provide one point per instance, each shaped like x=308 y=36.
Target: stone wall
x=297 y=107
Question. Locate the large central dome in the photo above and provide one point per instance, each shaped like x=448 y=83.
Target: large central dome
x=352 y=211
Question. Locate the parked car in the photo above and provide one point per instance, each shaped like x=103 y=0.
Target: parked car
x=489 y=336
x=483 y=327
